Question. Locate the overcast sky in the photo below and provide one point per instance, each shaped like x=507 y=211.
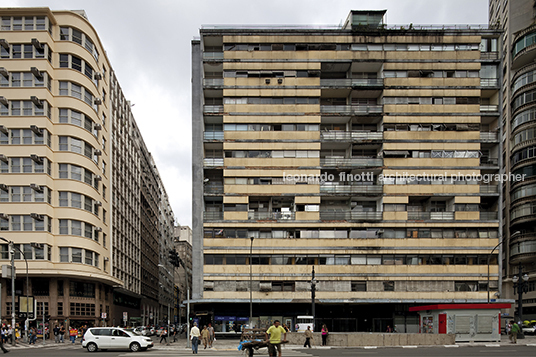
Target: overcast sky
x=148 y=44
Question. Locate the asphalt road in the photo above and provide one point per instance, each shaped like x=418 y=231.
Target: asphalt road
x=74 y=351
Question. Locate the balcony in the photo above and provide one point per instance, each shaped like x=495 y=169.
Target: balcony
x=213 y=135
x=431 y=216
x=351 y=109
x=214 y=189
x=213 y=56
x=213 y=109
x=489 y=189
x=213 y=82
x=346 y=215
x=213 y=162
x=352 y=162
x=212 y=216
x=489 y=161
x=272 y=216
x=489 y=55
x=362 y=189
x=489 y=216
x=350 y=135
x=491 y=136
x=489 y=82
x=351 y=82
x=488 y=108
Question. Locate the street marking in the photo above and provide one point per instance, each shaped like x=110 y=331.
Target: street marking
x=494 y=345
x=449 y=346
x=370 y=347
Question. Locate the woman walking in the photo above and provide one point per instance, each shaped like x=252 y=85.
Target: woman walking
x=325 y=333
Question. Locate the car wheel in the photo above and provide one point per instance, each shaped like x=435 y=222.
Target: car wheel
x=134 y=347
x=91 y=347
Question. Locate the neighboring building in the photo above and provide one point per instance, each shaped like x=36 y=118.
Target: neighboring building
x=183 y=246
x=293 y=129
x=517 y=19
x=80 y=193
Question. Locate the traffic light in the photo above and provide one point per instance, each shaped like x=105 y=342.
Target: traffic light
x=173 y=257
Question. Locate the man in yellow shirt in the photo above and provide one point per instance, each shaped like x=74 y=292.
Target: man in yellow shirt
x=275 y=340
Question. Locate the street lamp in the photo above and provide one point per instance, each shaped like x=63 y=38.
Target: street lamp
x=313 y=291
x=489 y=256
x=12 y=252
x=251 y=284
x=522 y=286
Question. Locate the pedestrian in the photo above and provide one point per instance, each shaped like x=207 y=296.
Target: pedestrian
x=389 y=329
x=62 y=333
x=308 y=337
x=3 y=331
x=274 y=343
x=514 y=331
x=325 y=334
x=204 y=336
x=507 y=329
x=56 y=331
x=163 y=335
x=174 y=334
x=73 y=332
x=211 y=336
x=194 y=336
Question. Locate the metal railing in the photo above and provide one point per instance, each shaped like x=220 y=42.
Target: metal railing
x=489 y=55
x=213 y=109
x=352 y=162
x=352 y=82
x=351 y=109
x=366 y=189
x=489 y=189
x=213 y=82
x=279 y=216
x=489 y=108
x=351 y=135
x=213 y=55
x=489 y=161
x=489 y=216
x=212 y=216
x=214 y=189
x=345 y=215
x=489 y=135
x=489 y=82
x=440 y=216
x=213 y=135
x=213 y=162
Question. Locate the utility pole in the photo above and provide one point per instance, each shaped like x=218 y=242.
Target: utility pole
x=13 y=334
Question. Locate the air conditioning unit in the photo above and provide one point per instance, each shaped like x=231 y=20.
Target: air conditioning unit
x=4 y=216
x=106 y=259
x=98 y=177
x=98 y=229
x=3 y=100
x=97 y=126
x=98 y=203
x=36 y=216
x=97 y=76
x=4 y=158
x=36 y=187
x=97 y=152
x=4 y=43
x=98 y=101
x=3 y=129
x=36 y=158
x=36 y=130
x=280 y=80
x=3 y=187
x=37 y=44
x=267 y=81
x=36 y=72
x=36 y=101
x=4 y=72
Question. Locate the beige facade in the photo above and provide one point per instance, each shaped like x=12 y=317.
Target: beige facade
x=308 y=136
x=71 y=173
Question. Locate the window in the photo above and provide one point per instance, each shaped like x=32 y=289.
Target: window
x=81 y=289
x=26 y=51
x=359 y=286
x=68 y=143
x=25 y=165
x=82 y=309
x=388 y=286
x=34 y=251
x=29 y=108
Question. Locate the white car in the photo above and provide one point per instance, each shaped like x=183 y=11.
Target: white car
x=104 y=338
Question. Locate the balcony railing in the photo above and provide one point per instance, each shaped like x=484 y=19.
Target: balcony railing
x=489 y=108
x=440 y=216
x=489 y=135
x=345 y=215
x=489 y=55
x=351 y=135
x=489 y=189
x=352 y=162
x=352 y=82
x=489 y=161
x=213 y=109
x=213 y=55
x=366 y=189
x=489 y=216
x=351 y=109
x=213 y=135
x=279 y=216
x=213 y=82
x=214 y=189
x=489 y=82
x=213 y=162
x=212 y=216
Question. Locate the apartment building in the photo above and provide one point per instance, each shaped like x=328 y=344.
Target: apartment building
x=81 y=196
x=183 y=275
x=364 y=154
x=516 y=18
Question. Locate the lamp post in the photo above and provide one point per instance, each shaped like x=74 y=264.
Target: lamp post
x=251 y=283
x=489 y=256
x=313 y=291
x=522 y=286
x=12 y=252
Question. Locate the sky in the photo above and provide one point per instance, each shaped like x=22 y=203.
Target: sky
x=148 y=45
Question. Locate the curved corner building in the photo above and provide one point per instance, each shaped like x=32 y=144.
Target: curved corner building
x=59 y=104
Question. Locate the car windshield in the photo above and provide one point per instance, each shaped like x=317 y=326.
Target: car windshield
x=133 y=332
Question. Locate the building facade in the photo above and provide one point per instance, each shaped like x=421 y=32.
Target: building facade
x=79 y=189
x=183 y=275
x=364 y=154
x=517 y=19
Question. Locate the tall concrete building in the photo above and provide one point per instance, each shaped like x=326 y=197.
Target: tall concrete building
x=364 y=153
x=183 y=274
x=518 y=20
x=80 y=193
